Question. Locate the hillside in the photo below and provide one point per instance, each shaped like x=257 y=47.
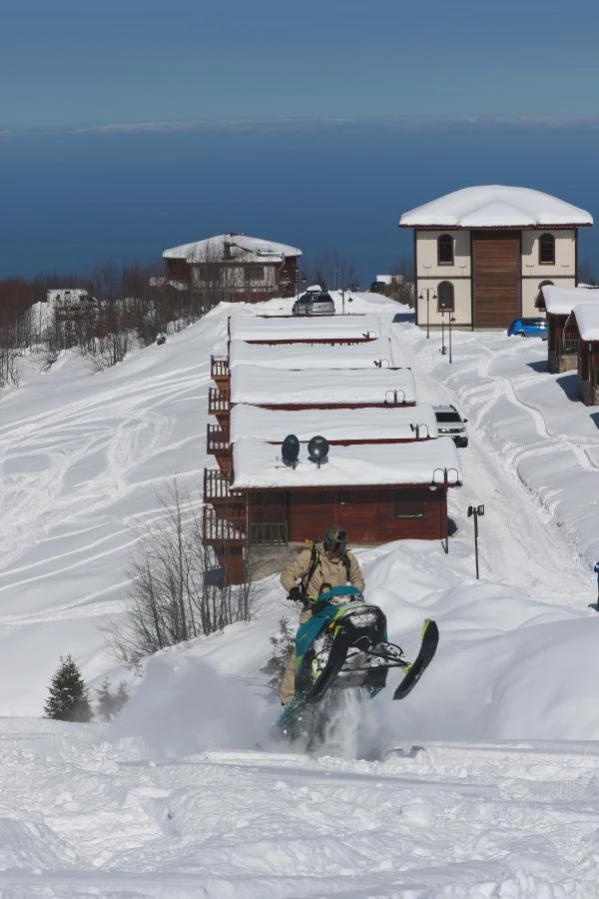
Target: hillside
x=175 y=796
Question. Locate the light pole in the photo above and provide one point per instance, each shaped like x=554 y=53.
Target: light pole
x=443 y=349
x=427 y=290
x=451 y=319
x=476 y=511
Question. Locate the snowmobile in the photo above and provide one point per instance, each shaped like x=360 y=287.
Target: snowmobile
x=344 y=644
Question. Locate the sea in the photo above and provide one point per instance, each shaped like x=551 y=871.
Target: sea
x=87 y=197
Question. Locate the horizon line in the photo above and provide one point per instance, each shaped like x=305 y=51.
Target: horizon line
x=248 y=125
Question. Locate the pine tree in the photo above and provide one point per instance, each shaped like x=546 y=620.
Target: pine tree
x=68 y=699
x=122 y=697
x=106 y=701
x=281 y=644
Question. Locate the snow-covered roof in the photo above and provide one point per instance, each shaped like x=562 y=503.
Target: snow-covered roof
x=384 y=279
x=587 y=319
x=259 y=465
x=496 y=206
x=240 y=247
x=398 y=423
x=303 y=327
x=562 y=300
x=264 y=387
x=318 y=355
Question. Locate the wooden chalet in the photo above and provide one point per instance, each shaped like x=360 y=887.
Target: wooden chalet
x=378 y=492
x=234 y=267
x=582 y=328
x=387 y=474
x=558 y=303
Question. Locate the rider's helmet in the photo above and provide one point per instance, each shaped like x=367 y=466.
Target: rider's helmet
x=335 y=539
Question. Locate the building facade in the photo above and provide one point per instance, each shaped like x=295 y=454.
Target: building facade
x=481 y=254
x=234 y=267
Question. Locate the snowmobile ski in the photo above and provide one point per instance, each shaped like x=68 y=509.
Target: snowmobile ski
x=415 y=670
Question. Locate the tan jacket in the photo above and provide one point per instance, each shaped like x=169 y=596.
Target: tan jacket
x=327 y=571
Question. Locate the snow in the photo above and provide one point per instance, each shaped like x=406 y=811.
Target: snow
x=397 y=423
x=259 y=464
x=175 y=799
x=305 y=328
x=587 y=320
x=316 y=355
x=262 y=387
x=494 y=205
x=241 y=247
x=561 y=300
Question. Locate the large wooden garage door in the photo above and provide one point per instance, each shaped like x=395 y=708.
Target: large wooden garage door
x=497 y=278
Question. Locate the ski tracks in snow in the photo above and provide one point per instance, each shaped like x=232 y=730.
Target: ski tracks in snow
x=80 y=818
x=525 y=520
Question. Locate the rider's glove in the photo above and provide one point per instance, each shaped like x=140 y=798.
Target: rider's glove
x=296 y=594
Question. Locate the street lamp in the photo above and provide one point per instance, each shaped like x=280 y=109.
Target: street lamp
x=427 y=290
x=443 y=349
x=476 y=511
x=451 y=319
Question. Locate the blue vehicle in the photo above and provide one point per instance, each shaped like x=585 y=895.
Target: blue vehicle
x=344 y=644
x=529 y=327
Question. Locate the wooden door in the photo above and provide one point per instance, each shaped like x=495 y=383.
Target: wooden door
x=496 y=285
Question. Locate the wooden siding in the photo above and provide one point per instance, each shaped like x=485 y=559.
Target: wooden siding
x=370 y=515
x=496 y=278
x=588 y=372
x=562 y=348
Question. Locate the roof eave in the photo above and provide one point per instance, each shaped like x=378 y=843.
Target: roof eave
x=537 y=227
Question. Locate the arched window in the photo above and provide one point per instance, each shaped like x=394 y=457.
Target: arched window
x=539 y=299
x=547 y=249
x=445 y=250
x=445 y=297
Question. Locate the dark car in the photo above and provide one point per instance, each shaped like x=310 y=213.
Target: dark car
x=312 y=303
x=529 y=327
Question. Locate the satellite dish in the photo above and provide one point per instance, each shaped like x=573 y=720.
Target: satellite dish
x=290 y=450
x=318 y=450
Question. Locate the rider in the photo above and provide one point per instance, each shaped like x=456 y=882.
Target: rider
x=327 y=562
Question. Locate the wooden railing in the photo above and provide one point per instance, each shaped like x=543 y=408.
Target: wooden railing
x=217 y=441
x=219 y=367
x=269 y=533
x=217 y=486
x=217 y=530
x=218 y=400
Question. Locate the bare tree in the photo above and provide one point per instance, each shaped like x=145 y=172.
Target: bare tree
x=587 y=273
x=334 y=271
x=403 y=282
x=171 y=597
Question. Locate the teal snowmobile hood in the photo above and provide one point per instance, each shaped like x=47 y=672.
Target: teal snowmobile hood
x=326 y=610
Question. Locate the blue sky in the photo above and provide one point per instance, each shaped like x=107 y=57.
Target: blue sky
x=76 y=63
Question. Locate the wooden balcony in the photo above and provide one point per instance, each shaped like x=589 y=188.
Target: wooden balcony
x=219 y=401
x=217 y=440
x=219 y=370
x=217 y=489
x=220 y=531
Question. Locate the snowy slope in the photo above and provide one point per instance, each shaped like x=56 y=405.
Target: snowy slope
x=174 y=799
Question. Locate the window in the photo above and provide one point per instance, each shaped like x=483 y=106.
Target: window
x=408 y=504
x=445 y=250
x=445 y=297
x=255 y=273
x=547 y=249
x=345 y=497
